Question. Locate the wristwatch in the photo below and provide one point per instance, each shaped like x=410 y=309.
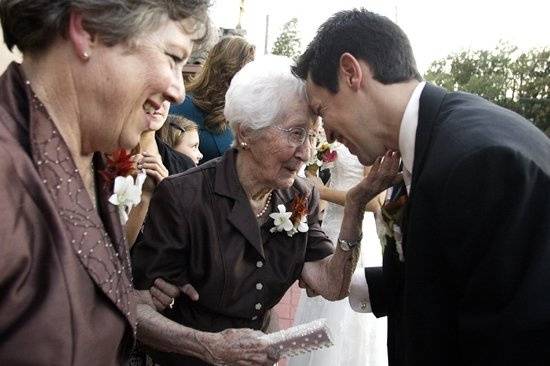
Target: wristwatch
x=347 y=245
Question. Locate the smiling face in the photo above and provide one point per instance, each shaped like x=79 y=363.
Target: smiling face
x=349 y=118
x=128 y=87
x=277 y=160
x=189 y=145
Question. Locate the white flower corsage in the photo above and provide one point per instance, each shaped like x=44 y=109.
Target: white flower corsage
x=292 y=222
x=127 y=194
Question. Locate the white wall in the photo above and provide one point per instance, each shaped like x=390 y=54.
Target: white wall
x=6 y=56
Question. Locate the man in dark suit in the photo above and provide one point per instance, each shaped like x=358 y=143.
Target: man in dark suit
x=469 y=281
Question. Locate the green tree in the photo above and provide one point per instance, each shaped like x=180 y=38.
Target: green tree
x=514 y=80
x=288 y=43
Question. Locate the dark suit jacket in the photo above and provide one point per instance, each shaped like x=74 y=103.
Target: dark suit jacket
x=475 y=285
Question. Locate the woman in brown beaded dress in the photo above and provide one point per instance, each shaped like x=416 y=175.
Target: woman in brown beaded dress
x=92 y=72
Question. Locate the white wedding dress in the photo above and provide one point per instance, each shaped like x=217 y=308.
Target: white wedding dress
x=359 y=338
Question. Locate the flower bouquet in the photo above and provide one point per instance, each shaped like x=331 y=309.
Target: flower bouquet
x=323 y=158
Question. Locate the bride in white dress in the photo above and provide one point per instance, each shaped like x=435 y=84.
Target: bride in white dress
x=359 y=338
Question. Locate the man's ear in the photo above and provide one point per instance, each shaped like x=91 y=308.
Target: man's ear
x=351 y=71
x=83 y=42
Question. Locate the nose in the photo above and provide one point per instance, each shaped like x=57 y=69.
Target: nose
x=304 y=150
x=176 y=91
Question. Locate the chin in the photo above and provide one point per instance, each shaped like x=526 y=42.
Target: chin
x=128 y=142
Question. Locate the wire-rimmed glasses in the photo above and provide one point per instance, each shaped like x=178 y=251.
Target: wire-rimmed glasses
x=297 y=135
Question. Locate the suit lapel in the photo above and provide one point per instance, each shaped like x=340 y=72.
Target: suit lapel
x=430 y=103
x=428 y=114
x=99 y=244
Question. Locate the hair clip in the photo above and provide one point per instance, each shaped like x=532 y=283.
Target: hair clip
x=172 y=124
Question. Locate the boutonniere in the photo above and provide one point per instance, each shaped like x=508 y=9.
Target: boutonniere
x=324 y=157
x=119 y=172
x=388 y=224
x=293 y=221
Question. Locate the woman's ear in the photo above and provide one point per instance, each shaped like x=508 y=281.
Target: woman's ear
x=81 y=39
x=242 y=137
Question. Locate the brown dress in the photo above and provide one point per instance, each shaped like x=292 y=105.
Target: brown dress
x=65 y=288
x=201 y=230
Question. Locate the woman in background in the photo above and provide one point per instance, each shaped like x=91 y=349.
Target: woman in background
x=158 y=160
x=206 y=99
x=182 y=135
x=360 y=339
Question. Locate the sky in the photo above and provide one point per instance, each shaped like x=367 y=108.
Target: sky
x=436 y=28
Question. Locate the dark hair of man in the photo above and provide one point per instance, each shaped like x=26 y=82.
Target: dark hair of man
x=367 y=36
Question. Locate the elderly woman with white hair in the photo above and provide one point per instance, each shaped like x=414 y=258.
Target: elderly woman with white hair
x=241 y=229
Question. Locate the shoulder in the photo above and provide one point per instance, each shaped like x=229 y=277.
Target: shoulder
x=192 y=180
x=469 y=125
x=189 y=110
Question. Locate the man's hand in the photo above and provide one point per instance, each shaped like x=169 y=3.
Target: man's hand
x=164 y=293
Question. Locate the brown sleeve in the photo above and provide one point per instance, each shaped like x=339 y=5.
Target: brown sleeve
x=163 y=251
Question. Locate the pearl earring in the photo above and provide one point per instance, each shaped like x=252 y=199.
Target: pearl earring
x=85 y=55
x=244 y=145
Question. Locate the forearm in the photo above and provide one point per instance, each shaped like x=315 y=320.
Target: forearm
x=339 y=198
x=341 y=265
x=163 y=334
x=136 y=218
x=330 y=277
x=333 y=195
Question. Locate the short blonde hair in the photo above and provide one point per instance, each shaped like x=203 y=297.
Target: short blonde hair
x=174 y=128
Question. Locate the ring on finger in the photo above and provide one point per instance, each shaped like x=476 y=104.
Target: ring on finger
x=172 y=303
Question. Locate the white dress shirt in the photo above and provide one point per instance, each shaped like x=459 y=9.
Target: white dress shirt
x=359 y=298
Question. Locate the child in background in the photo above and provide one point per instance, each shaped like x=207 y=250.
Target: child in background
x=182 y=135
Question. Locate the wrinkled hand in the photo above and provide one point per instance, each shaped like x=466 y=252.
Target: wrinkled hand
x=153 y=166
x=242 y=347
x=164 y=293
x=383 y=174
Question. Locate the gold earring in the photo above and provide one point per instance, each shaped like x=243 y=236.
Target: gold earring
x=244 y=145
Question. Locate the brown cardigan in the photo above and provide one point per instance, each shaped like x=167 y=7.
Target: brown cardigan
x=65 y=289
x=201 y=230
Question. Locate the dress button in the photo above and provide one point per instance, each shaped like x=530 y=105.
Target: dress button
x=258 y=306
x=259 y=286
x=259 y=264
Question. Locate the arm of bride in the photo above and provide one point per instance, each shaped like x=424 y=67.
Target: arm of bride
x=330 y=277
x=339 y=197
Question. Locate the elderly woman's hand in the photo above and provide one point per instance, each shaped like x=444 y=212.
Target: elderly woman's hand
x=242 y=347
x=164 y=293
x=383 y=174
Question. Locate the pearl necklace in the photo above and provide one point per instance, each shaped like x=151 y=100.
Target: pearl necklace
x=267 y=202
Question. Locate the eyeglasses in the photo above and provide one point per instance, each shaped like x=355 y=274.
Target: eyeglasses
x=173 y=125
x=297 y=135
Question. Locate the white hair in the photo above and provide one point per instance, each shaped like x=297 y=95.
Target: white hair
x=262 y=92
